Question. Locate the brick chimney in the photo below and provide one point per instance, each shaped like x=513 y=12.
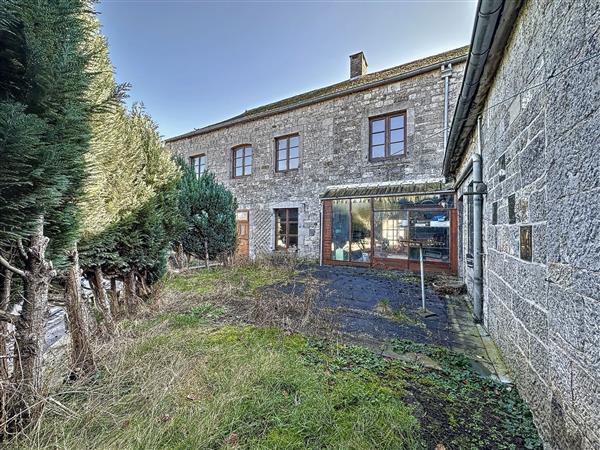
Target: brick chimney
x=358 y=65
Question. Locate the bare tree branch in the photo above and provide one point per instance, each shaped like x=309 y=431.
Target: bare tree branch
x=6 y=264
x=8 y=317
x=21 y=249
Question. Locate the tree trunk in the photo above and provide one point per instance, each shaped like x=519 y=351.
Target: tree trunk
x=179 y=255
x=206 y=253
x=4 y=306
x=97 y=282
x=129 y=287
x=78 y=315
x=26 y=405
x=115 y=307
x=145 y=291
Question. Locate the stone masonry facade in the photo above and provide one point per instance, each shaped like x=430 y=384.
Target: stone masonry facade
x=334 y=150
x=541 y=164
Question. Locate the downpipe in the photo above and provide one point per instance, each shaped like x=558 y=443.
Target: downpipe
x=479 y=188
x=446 y=74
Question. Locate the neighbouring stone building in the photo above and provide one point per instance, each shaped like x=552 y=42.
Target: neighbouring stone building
x=346 y=173
x=528 y=116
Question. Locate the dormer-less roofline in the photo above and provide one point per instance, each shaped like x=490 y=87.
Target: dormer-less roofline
x=344 y=88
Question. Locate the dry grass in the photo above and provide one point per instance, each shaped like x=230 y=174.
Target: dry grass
x=267 y=293
x=180 y=385
x=217 y=362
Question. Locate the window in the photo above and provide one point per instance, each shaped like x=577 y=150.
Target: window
x=502 y=168
x=425 y=219
x=525 y=247
x=387 y=136
x=512 y=218
x=198 y=163
x=288 y=157
x=351 y=230
x=242 y=161
x=286 y=228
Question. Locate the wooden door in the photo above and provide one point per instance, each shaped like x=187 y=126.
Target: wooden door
x=243 y=233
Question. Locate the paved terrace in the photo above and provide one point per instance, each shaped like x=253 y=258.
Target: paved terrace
x=373 y=307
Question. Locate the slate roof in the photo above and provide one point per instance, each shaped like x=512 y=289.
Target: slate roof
x=386 y=189
x=343 y=88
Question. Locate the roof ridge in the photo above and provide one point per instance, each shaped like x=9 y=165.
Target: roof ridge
x=340 y=88
x=360 y=78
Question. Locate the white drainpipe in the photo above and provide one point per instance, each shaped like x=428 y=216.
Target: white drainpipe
x=446 y=74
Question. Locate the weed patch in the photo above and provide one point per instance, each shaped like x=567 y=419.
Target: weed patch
x=196 y=316
x=244 y=279
x=464 y=409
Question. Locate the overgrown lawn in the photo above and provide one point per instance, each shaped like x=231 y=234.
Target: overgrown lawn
x=182 y=379
x=182 y=387
x=246 y=278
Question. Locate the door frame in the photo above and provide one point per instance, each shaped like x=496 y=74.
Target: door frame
x=247 y=222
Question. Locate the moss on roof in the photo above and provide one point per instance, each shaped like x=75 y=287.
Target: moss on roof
x=385 y=189
x=338 y=88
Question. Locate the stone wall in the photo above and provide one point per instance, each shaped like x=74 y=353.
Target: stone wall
x=541 y=158
x=334 y=140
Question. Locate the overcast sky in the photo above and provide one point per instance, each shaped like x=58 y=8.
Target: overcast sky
x=193 y=63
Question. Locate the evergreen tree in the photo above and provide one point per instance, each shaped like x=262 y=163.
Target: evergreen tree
x=208 y=209
x=44 y=135
x=131 y=204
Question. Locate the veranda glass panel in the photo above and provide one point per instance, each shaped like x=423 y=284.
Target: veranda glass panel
x=414 y=201
x=360 y=250
x=391 y=229
x=432 y=229
x=340 y=230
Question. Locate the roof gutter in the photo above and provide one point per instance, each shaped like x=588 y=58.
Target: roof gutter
x=403 y=194
x=322 y=98
x=494 y=22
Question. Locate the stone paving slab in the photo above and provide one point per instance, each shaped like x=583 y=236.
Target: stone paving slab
x=355 y=297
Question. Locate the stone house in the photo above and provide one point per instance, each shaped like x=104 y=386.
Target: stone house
x=524 y=154
x=347 y=173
